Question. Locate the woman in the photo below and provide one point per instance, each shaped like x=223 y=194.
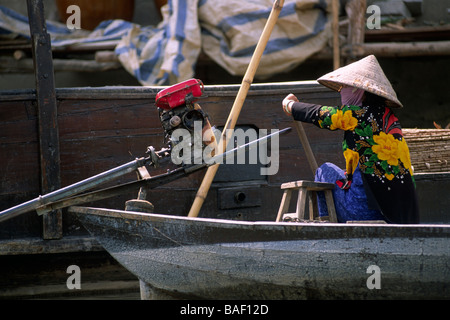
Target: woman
x=378 y=182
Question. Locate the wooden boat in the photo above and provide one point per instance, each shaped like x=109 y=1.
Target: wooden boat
x=221 y=259
x=101 y=128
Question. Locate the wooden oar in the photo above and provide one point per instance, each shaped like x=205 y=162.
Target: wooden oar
x=305 y=143
x=336 y=64
x=237 y=106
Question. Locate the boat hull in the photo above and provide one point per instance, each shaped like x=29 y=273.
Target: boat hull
x=222 y=259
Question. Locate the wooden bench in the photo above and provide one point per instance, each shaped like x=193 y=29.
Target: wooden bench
x=307 y=196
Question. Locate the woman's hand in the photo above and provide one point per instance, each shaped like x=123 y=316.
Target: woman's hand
x=287 y=103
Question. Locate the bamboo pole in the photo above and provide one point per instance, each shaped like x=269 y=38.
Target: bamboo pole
x=389 y=50
x=401 y=49
x=356 y=12
x=237 y=106
x=336 y=49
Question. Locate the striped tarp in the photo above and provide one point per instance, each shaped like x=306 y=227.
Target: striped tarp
x=226 y=31
x=13 y=24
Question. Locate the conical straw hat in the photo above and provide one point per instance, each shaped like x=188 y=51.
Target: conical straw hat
x=364 y=74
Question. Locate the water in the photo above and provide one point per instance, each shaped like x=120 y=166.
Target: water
x=48 y=276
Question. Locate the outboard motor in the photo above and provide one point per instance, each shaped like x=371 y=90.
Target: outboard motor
x=178 y=110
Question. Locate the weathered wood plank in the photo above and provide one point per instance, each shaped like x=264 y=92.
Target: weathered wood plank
x=47 y=113
x=40 y=246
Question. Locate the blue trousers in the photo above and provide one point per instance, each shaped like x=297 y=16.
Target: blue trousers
x=350 y=204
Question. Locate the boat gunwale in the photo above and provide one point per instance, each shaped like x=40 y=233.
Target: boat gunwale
x=318 y=230
x=149 y=92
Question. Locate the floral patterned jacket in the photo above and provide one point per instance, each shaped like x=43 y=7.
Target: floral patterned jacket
x=373 y=140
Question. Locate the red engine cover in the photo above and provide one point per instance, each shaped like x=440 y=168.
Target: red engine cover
x=175 y=95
